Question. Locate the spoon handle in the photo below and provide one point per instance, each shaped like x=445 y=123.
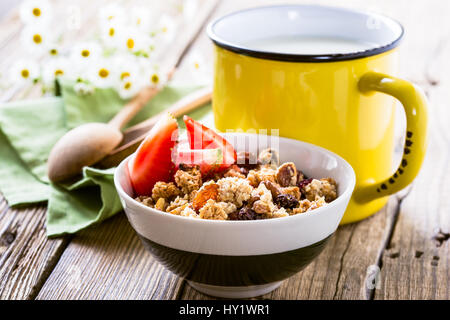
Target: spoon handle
x=133 y=107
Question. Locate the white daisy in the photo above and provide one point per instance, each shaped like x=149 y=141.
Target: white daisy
x=86 y=52
x=129 y=87
x=126 y=67
x=36 y=12
x=55 y=68
x=112 y=13
x=24 y=70
x=53 y=50
x=155 y=77
x=135 y=41
x=111 y=34
x=102 y=74
x=36 y=38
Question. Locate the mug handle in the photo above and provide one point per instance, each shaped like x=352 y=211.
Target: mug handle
x=415 y=105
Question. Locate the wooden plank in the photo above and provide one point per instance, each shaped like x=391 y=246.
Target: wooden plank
x=113 y=262
x=26 y=254
x=108 y=262
x=353 y=258
x=416 y=266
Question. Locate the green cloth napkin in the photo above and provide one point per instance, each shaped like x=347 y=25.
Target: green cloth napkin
x=30 y=128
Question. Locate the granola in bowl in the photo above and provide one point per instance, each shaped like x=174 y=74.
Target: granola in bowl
x=204 y=177
x=244 y=191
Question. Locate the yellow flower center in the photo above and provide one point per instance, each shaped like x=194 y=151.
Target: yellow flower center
x=111 y=32
x=103 y=73
x=85 y=53
x=130 y=43
x=25 y=73
x=138 y=22
x=155 y=78
x=196 y=65
x=36 y=12
x=37 y=38
x=124 y=75
x=127 y=85
x=53 y=52
x=59 y=72
x=164 y=29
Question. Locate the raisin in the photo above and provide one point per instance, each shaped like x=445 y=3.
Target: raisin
x=286 y=201
x=304 y=183
x=245 y=213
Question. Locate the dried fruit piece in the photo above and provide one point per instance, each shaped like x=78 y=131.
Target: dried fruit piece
x=287 y=174
x=245 y=213
x=207 y=192
x=286 y=201
x=302 y=184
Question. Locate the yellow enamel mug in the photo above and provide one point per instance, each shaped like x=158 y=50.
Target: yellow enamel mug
x=342 y=101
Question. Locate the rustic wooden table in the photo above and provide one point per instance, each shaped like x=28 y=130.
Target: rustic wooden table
x=405 y=241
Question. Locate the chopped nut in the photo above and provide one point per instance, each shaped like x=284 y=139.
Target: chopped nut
x=273 y=188
x=287 y=174
x=189 y=212
x=213 y=210
x=178 y=202
x=306 y=205
x=264 y=205
x=261 y=207
x=269 y=157
x=293 y=191
x=321 y=188
x=279 y=213
x=255 y=177
x=161 y=204
x=178 y=210
x=165 y=190
x=188 y=181
x=145 y=200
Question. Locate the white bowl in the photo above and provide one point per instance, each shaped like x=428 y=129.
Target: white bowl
x=239 y=259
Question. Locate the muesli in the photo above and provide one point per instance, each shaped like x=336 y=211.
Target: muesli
x=242 y=186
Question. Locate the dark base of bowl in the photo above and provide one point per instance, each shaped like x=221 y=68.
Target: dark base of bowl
x=234 y=271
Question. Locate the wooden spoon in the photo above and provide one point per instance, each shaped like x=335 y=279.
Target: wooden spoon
x=89 y=143
x=133 y=136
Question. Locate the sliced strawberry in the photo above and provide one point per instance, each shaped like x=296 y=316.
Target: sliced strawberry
x=202 y=137
x=209 y=160
x=152 y=162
